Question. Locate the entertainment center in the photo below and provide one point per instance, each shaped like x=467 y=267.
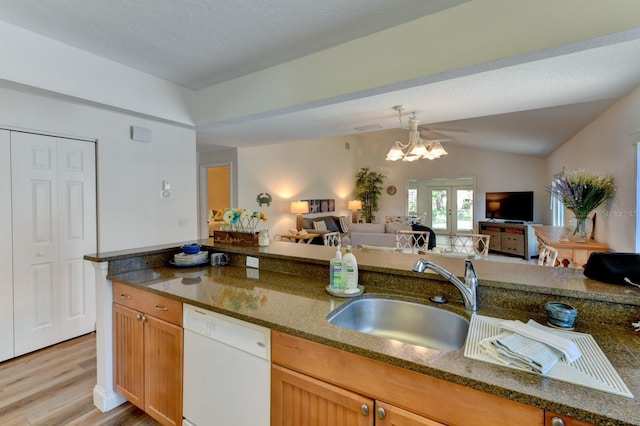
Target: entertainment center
x=517 y=239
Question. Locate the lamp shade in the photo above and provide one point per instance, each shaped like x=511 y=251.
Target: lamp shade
x=300 y=207
x=355 y=205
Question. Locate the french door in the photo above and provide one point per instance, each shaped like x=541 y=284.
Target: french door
x=451 y=209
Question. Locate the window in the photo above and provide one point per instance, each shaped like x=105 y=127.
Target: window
x=557 y=208
x=412 y=202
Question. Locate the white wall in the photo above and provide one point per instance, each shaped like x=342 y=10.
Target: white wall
x=314 y=169
x=606 y=147
x=325 y=169
x=33 y=60
x=131 y=212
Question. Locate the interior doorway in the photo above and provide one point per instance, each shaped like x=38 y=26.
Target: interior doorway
x=215 y=187
x=219 y=187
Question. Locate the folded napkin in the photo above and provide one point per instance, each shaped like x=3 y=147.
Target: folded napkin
x=529 y=346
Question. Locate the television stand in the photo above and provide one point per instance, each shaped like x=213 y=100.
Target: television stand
x=515 y=239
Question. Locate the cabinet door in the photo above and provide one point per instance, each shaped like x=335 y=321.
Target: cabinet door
x=128 y=354
x=297 y=399
x=390 y=415
x=553 y=419
x=163 y=343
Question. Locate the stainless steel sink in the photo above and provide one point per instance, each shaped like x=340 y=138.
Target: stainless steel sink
x=408 y=322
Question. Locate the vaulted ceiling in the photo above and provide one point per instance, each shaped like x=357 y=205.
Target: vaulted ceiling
x=527 y=106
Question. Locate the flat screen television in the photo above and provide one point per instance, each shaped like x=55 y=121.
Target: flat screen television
x=510 y=206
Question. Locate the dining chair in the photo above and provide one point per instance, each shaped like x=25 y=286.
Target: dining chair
x=470 y=243
x=417 y=241
x=547 y=256
x=332 y=239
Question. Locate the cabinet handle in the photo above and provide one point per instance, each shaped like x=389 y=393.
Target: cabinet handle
x=381 y=413
x=364 y=409
x=557 y=421
x=124 y=296
x=139 y=317
x=144 y=318
x=161 y=308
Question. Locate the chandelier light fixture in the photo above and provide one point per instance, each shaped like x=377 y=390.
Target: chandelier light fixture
x=416 y=148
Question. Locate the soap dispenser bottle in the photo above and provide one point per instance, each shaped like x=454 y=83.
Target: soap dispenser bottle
x=337 y=272
x=351 y=270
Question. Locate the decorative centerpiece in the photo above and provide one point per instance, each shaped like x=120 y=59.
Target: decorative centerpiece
x=582 y=194
x=239 y=226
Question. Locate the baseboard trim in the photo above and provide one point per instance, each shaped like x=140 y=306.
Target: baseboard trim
x=106 y=401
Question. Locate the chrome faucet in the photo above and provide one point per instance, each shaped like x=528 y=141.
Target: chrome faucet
x=468 y=289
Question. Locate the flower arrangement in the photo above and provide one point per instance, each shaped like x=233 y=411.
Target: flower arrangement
x=582 y=193
x=242 y=220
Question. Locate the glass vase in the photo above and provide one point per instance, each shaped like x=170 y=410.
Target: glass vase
x=581 y=229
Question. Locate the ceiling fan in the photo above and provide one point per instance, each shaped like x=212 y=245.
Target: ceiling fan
x=440 y=133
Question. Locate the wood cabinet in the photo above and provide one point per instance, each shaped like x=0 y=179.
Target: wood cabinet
x=299 y=399
x=390 y=415
x=513 y=239
x=407 y=398
x=554 y=419
x=148 y=352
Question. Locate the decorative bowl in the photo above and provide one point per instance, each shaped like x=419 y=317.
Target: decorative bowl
x=191 y=248
x=561 y=314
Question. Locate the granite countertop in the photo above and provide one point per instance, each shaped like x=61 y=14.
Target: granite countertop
x=298 y=304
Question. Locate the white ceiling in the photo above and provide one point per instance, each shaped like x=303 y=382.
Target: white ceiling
x=526 y=105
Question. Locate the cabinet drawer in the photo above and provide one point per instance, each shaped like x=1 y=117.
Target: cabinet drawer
x=151 y=304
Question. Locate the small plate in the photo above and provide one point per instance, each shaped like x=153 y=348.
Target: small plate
x=187 y=265
x=339 y=293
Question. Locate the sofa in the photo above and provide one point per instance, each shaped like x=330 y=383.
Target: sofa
x=323 y=224
x=367 y=234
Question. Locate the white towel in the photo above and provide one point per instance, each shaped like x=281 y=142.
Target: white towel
x=529 y=346
x=542 y=334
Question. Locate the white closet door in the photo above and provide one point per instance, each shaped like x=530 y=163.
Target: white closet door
x=6 y=267
x=35 y=251
x=52 y=179
x=77 y=236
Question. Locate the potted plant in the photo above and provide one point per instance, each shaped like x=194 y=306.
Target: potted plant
x=368 y=190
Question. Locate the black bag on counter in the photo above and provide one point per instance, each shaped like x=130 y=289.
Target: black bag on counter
x=613 y=267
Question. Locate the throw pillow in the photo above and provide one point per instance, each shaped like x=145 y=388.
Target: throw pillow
x=331 y=224
x=307 y=223
x=344 y=224
x=320 y=225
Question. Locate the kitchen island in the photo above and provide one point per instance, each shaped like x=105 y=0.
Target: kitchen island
x=287 y=294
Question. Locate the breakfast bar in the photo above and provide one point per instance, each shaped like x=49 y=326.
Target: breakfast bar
x=286 y=294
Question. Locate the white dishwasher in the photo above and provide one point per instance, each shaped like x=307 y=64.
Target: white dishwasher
x=227 y=370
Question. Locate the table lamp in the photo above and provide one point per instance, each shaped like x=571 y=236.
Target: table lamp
x=493 y=207
x=354 y=206
x=300 y=208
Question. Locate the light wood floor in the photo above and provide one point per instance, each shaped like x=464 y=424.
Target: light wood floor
x=54 y=386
